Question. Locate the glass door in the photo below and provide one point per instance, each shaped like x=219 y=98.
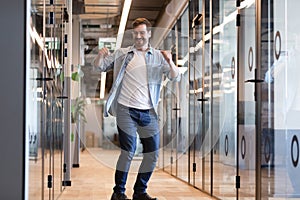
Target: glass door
x=246 y=139
x=195 y=94
x=224 y=98
x=267 y=102
x=44 y=110
x=206 y=98
x=169 y=115
x=183 y=97
x=281 y=172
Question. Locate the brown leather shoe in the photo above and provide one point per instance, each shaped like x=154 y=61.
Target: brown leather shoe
x=119 y=196
x=143 y=196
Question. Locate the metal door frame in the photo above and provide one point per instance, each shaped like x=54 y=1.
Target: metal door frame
x=257 y=91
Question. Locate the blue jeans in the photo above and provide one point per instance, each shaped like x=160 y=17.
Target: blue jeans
x=144 y=122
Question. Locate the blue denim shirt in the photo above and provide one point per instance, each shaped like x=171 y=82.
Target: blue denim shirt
x=156 y=65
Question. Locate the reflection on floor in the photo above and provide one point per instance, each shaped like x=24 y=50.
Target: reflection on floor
x=94 y=180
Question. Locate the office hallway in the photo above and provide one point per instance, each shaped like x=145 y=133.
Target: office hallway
x=94 y=180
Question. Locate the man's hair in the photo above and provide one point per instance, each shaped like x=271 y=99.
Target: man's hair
x=140 y=21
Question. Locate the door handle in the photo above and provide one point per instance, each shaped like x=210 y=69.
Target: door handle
x=202 y=100
x=202 y=106
x=254 y=81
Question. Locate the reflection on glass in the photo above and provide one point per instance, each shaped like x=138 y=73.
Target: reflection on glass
x=182 y=112
x=44 y=111
x=169 y=125
x=280 y=127
x=225 y=105
x=246 y=113
x=195 y=94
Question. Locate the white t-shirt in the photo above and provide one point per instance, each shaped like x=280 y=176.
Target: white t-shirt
x=134 y=92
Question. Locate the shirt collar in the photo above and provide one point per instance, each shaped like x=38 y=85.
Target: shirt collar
x=132 y=49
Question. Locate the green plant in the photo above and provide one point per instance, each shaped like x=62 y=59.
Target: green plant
x=75 y=76
x=77 y=110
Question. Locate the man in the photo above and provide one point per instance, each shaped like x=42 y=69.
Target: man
x=133 y=99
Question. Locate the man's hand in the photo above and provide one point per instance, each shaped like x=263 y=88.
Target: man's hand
x=167 y=55
x=174 y=72
x=103 y=52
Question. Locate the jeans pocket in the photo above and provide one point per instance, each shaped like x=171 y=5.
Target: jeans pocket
x=141 y=117
x=145 y=118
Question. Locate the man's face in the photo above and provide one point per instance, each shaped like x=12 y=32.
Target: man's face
x=141 y=36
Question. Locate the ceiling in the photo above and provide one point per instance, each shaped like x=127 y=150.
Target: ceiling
x=104 y=9
x=100 y=12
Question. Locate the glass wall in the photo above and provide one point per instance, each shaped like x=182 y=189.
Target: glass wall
x=280 y=99
x=196 y=99
x=224 y=98
x=243 y=99
x=44 y=110
x=175 y=103
x=246 y=138
x=169 y=140
x=205 y=152
x=182 y=95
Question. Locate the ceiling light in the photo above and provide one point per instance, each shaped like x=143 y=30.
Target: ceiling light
x=123 y=21
x=102 y=85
